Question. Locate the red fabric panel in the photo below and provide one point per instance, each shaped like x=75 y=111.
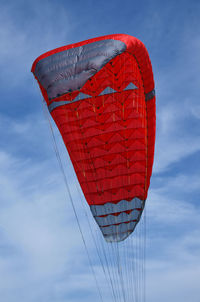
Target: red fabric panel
x=106 y=136
x=134 y=47
x=110 y=138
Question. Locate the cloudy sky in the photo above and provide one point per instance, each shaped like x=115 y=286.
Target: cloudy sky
x=42 y=257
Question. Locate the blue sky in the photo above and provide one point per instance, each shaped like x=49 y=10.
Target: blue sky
x=41 y=253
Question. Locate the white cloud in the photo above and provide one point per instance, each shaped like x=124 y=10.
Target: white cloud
x=173 y=244
x=179 y=184
x=176 y=284
x=174 y=139
x=23 y=39
x=178 y=103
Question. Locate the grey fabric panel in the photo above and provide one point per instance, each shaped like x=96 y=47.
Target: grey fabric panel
x=150 y=95
x=118 y=232
x=116 y=229
x=123 y=217
x=121 y=206
x=54 y=105
x=118 y=237
x=107 y=90
x=69 y=70
x=113 y=227
x=130 y=86
x=79 y=97
x=82 y=96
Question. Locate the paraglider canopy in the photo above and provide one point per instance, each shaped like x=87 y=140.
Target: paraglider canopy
x=100 y=93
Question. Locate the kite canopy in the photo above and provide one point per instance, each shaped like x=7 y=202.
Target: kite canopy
x=100 y=93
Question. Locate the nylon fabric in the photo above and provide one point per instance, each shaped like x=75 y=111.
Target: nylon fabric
x=112 y=208
x=82 y=96
x=107 y=124
x=68 y=70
